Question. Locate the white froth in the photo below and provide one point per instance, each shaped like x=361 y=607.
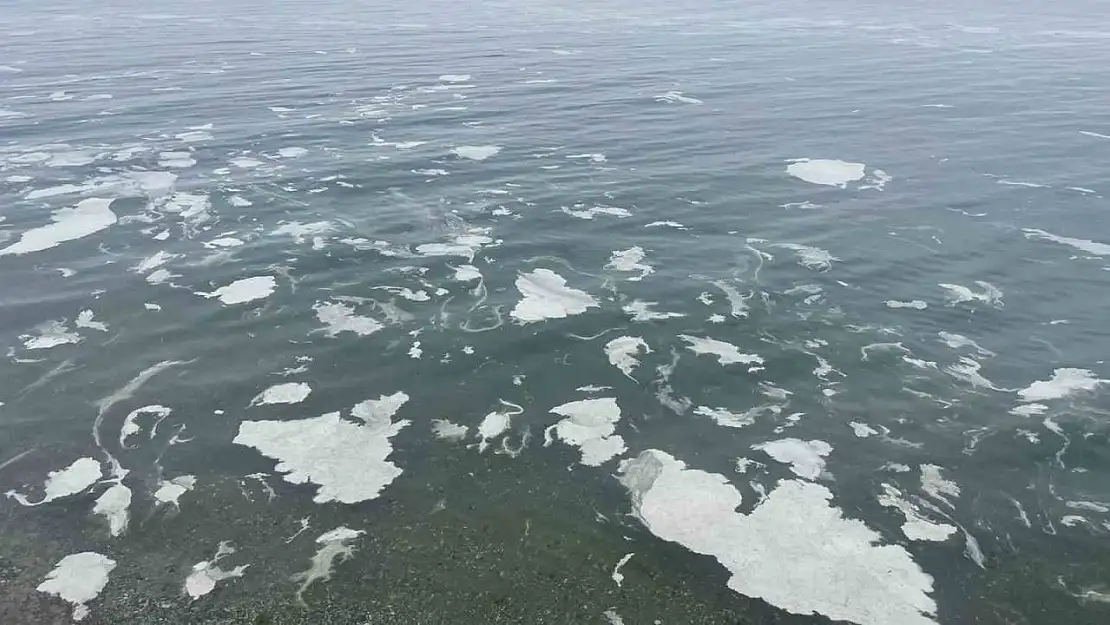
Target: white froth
x=244 y=290
x=76 y=478
x=244 y=162
x=448 y=431
x=726 y=353
x=170 y=491
x=677 y=96
x=916 y=526
x=915 y=304
x=239 y=201
x=957 y=294
x=114 y=506
x=934 y=484
x=493 y=425
x=380 y=412
x=642 y=311
x=87 y=320
x=346 y=460
x=811 y=257
x=67 y=224
x=794 y=550
x=206 y=574
x=547 y=296
x=630 y=260
x=806 y=458
x=967 y=369
x=737 y=301
x=292 y=152
x=454 y=78
x=153 y=261
x=1029 y=410
x=833 y=173
x=589 y=424
x=78 y=579
x=958 y=341
x=302 y=232
x=467 y=273
x=1091 y=247
x=50 y=334
x=333 y=545
x=476 y=152
x=589 y=213
x=1063 y=383
x=666 y=224
x=176 y=160
x=725 y=417
x=464 y=244
x=288 y=393
x=623 y=351
x=339 y=317
x=862 y=430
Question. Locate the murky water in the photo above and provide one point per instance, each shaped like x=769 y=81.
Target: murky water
x=554 y=313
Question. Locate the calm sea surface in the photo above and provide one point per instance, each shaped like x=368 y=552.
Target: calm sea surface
x=554 y=312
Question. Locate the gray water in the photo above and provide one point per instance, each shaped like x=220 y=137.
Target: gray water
x=331 y=147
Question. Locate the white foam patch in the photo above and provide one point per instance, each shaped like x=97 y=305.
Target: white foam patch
x=192 y=208
x=806 y=458
x=288 y=393
x=244 y=162
x=914 y=304
x=338 y=317
x=464 y=244
x=1029 y=410
x=828 y=172
x=467 y=273
x=244 y=290
x=170 y=491
x=967 y=369
x=1063 y=383
x=153 y=261
x=86 y=319
x=589 y=425
x=476 y=152
x=737 y=302
x=813 y=258
x=454 y=78
x=114 y=505
x=957 y=294
x=1084 y=245
x=936 y=486
x=862 y=430
x=673 y=97
x=302 y=232
x=380 y=411
x=725 y=417
x=666 y=224
x=334 y=544
x=794 y=550
x=292 y=152
x=623 y=351
x=176 y=160
x=547 y=296
x=346 y=460
x=642 y=311
x=593 y=157
x=224 y=243
x=67 y=224
x=50 y=334
x=493 y=425
x=630 y=260
x=958 y=341
x=239 y=201
x=74 y=479
x=726 y=353
x=448 y=431
x=206 y=574
x=77 y=579
x=916 y=526
x=589 y=213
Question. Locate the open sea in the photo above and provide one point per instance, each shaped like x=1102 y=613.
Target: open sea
x=560 y=312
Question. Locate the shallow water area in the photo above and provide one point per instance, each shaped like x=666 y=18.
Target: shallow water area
x=561 y=312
